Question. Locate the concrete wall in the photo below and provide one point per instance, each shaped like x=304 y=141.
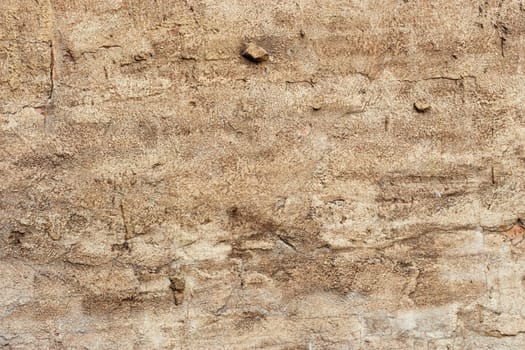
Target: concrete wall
x=160 y=191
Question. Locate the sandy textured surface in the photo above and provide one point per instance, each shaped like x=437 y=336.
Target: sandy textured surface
x=160 y=191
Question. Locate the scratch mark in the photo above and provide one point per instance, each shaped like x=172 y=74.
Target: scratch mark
x=287 y=243
x=52 y=68
x=124 y=222
x=502 y=45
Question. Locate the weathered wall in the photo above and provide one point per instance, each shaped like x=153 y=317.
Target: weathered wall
x=160 y=191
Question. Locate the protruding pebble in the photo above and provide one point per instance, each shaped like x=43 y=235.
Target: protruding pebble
x=255 y=53
x=317 y=103
x=54 y=234
x=421 y=106
x=515 y=233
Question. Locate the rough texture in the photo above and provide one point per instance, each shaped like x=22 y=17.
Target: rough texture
x=160 y=191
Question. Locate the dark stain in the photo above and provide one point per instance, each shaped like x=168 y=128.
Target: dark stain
x=16 y=237
x=53 y=160
x=177 y=285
